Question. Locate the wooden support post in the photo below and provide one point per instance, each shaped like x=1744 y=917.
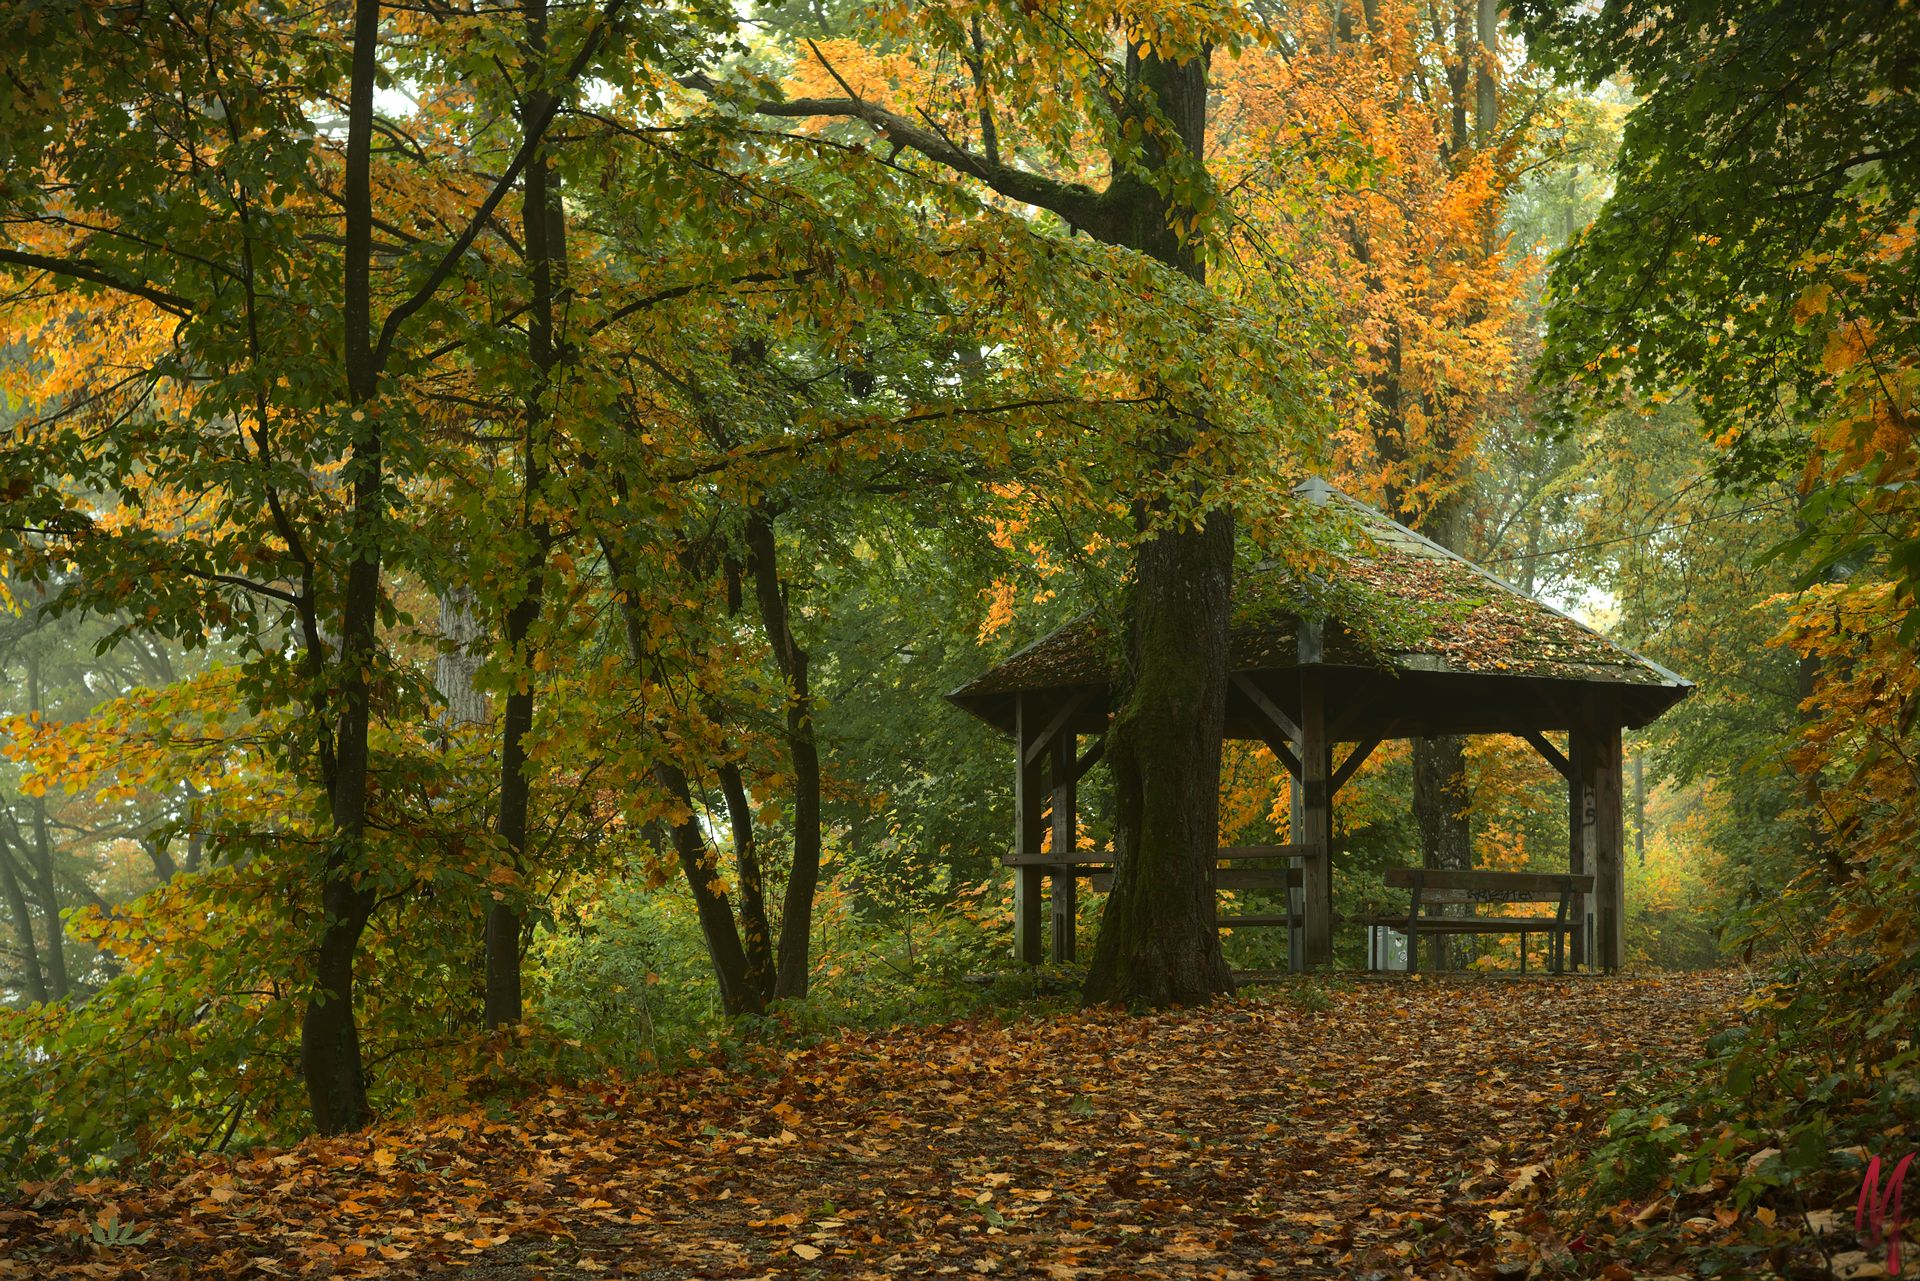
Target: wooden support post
x=1066 y=833
x=1296 y=896
x=1316 y=770
x=1577 y=808
x=1029 y=800
x=1609 y=851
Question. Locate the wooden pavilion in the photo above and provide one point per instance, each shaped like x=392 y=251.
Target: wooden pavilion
x=1459 y=652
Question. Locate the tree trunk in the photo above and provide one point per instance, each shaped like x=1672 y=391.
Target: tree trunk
x=329 y=1039
x=45 y=889
x=796 y=913
x=1158 y=942
x=545 y=231
x=1640 y=808
x=455 y=669
x=1486 y=81
x=738 y=993
x=757 y=936
x=40 y=865
x=22 y=919
x=1440 y=800
x=1441 y=796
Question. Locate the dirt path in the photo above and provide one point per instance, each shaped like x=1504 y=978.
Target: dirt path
x=1393 y=1132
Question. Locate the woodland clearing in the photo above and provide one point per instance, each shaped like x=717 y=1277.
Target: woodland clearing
x=1375 y=1128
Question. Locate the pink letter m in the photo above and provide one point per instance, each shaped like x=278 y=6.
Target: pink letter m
x=1878 y=1217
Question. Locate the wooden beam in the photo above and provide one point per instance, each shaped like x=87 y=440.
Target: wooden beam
x=1033 y=750
x=1341 y=726
x=1248 y=853
x=1311 y=641
x=1266 y=706
x=1355 y=759
x=1257 y=878
x=1316 y=762
x=1282 y=750
x=1028 y=826
x=1609 y=852
x=1296 y=898
x=1549 y=753
x=1066 y=842
x=1496 y=885
x=1050 y=861
x=1227 y=878
x=1577 y=841
x=1089 y=758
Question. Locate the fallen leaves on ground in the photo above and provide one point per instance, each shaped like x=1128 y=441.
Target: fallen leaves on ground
x=1399 y=1131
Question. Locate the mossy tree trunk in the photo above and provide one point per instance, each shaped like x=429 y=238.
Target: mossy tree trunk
x=1159 y=943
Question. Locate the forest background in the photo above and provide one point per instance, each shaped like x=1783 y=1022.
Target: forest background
x=494 y=497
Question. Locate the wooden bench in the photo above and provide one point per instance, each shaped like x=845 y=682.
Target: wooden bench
x=1433 y=887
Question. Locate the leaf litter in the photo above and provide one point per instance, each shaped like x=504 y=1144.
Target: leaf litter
x=1412 y=1128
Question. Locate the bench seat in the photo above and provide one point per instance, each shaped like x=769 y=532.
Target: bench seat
x=1467 y=924
x=1430 y=887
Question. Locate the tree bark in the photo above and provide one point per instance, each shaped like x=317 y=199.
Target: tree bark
x=1440 y=801
x=756 y=934
x=22 y=918
x=455 y=669
x=329 y=1036
x=545 y=231
x=738 y=993
x=1158 y=941
x=796 y=913
x=40 y=865
x=1486 y=82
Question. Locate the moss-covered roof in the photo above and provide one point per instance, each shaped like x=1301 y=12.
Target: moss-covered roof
x=1391 y=600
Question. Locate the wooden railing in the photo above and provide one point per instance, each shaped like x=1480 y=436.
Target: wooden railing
x=1092 y=861
x=1098 y=869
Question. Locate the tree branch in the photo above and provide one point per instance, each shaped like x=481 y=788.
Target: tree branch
x=1078 y=203
x=483 y=216
x=80 y=269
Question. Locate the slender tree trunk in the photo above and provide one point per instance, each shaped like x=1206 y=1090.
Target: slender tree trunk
x=738 y=993
x=1486 y=81
x=22 y=918
x=756 y=935
x=48 y=892
x=545 y=233
x=796 y=914
x=1158 y=940
x=329 y=1035
x=40 y=864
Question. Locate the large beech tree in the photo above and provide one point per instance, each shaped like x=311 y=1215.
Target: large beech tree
x=1142 y=75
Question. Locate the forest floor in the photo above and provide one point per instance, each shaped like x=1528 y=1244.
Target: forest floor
x=1365 y=1128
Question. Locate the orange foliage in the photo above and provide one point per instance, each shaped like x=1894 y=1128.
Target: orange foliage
x=1353 y=190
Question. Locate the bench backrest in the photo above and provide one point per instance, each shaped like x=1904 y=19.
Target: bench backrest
x=1477 y=885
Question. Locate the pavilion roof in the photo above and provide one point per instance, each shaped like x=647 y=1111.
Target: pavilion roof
x=1392 y=600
